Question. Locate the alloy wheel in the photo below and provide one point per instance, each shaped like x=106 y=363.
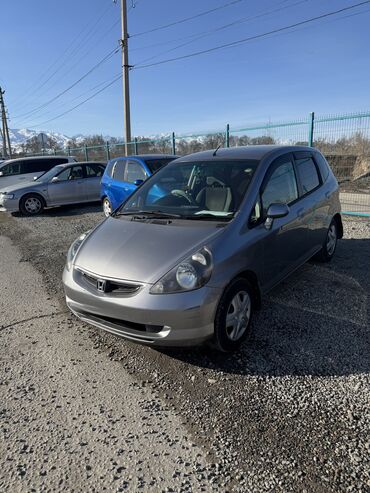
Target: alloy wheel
x=331 y=240
x=238 y=315
x=33 y=205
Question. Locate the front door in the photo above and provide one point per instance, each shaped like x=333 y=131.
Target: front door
x=93 y=176
x=282 y=246
x=69 y=188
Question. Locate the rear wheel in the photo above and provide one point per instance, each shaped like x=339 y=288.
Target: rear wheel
x=330 y=245
x=31 y=205
x=233 y=316
x=107 y=207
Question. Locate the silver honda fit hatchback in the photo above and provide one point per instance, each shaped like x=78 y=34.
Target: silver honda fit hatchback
x=188 y=256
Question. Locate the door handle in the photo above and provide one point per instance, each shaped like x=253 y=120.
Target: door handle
x=300 y=213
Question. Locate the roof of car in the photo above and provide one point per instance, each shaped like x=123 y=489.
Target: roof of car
x=148 y=156
x=38 y=157
x=257 y=152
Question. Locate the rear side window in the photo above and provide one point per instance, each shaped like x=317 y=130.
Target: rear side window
x=281 y=187
x=41 y=165
x=11 y=169
x=307 y=173
x=119 y=170
x=134 y=171
x=323 y=166
x=156 y=164
x=94 y=170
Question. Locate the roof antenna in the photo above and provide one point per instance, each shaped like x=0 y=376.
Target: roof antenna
x=218 y=147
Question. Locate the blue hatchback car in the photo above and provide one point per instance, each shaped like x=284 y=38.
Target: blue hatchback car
x=124 y=174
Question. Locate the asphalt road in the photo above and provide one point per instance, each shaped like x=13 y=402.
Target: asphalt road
x=82 y=410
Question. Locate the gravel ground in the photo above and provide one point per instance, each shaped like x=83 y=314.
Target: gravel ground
x=290 y=411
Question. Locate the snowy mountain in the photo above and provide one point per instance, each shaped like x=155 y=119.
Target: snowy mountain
x=20 y=136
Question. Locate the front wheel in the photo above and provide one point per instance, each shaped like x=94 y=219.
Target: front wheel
x=330 y=245
x=107 y=207
x=233 y=316
x=31 y=205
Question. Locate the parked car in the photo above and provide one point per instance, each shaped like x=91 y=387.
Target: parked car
x=21 y=170
x=123 y=175
x=189 y=255
x=63 y=184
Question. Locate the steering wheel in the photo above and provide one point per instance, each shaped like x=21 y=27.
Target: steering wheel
x=182 y=193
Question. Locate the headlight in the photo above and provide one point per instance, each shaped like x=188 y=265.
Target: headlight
x=192 y=273
x=5 y=195
x=73 y=249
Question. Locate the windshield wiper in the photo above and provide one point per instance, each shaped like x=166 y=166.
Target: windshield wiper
x=154 y=214
x=208 y=217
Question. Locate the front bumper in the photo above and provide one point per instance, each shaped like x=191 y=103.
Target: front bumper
x=9 y=205
x=180 y=319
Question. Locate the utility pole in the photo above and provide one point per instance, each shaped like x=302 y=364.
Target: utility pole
x=7 y=150
x=125 y=75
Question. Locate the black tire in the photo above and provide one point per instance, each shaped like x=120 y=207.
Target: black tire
x=107 y=207
x=223 y=339
x=31 y=204
x=328 y=249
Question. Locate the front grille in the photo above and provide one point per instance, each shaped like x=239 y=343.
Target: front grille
x=110 y=286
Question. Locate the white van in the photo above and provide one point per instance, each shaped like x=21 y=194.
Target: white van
x=22 y=170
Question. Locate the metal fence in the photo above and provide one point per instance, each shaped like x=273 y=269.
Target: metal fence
x=343 y=139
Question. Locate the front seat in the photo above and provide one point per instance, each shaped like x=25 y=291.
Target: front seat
x=215 y=198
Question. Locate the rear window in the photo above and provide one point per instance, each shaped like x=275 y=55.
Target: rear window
x=308 y=175
x=156 y=164
x=323 y=166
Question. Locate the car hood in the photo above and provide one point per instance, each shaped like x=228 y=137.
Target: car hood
x=20 y=187
x=142 y=251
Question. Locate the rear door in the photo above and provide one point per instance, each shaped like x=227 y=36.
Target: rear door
x=70 y=187
x=135 y=172
x=93 y=176
x=314 y=205
x=116 y=184
x=283 y=245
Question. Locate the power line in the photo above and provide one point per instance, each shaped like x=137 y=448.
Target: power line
x=251 y=38
x=116 y=79
x=186 y=19
x=59 y=59
x=198 y=36
x=109 y=55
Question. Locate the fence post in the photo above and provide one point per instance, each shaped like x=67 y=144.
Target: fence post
x=227 y=136
x=86 y=153
x=107 y=150
x=69 y=151
x=136 y=146
x=173 y=137
x=55 y=151
x=311 y=129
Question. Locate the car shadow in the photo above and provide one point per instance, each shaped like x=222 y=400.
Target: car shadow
x=68 y=210
x=314 y=323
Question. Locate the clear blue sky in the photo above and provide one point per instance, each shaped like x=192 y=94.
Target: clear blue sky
x=323 y=66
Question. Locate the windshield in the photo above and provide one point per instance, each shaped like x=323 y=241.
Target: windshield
x=48 y=175
x=194 y=190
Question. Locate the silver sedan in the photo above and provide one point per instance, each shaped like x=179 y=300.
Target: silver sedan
x=63 y=184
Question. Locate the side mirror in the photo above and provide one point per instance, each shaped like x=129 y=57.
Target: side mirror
x=54 y=179
x=275 y=211
x=35 y=178
x=1 y=173
x=138 y=182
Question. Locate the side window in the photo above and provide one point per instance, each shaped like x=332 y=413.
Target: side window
x=12 y=169
x=256 y=214
x=35 y=166
x=323 y=166
x=307 y=173
x=134 y=171
x=76 y=173
x=281 y=187
x=94 y=170
x=110 y=168
x=64 y=175
x=119 y=170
